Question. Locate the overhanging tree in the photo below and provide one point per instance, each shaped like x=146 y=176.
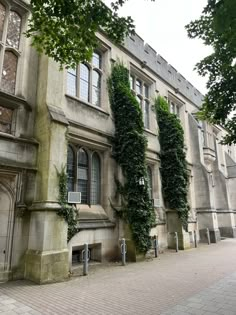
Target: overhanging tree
x=217 y=28
x=66 y=29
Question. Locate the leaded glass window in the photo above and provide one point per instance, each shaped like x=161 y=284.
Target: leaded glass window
x=141 y=90
x=2 y=18
x=96 y=89
x=138 y=98
x=95 y=180
x=146 y=91
x=146 y=114
x=131 y=81
x=83 y=175
x=5 y=119
x=13 y=31
x=89 y=87
x=138 y=87
x=70 y=169
x=84 y=82
x=10 y=31
x=174 y=108
x=9 y=72
x=96 y=60
x=71 y=81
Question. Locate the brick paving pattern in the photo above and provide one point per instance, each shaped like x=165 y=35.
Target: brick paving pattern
x=196 y=281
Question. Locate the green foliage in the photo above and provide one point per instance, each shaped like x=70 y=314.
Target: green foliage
x=217 y=28
x=129 y=147
x=66 y=29
x=173 y=162
x=69 y=213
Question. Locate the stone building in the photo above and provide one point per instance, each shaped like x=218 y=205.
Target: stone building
x=50 y=118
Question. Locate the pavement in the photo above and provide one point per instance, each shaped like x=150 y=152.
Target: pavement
x=196 y=281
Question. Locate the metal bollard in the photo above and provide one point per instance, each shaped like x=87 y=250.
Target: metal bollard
x=208 y=236
x=123 y=251
x=85 y=259
x=177 y=241
x=195 y=238
x=156 y=245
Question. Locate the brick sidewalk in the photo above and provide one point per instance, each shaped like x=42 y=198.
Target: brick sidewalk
x=197 y=281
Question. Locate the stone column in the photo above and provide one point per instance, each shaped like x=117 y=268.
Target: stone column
x=174 y=225
x=226 y=223
x=47 y=255
x=208 y=219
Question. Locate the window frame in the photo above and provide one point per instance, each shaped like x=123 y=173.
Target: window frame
x=4 y=46
x=175 y=106
x=91 y=69
x=75 y=149
x=143 y=98
x=12 y=129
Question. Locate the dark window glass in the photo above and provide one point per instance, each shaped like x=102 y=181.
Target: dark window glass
x=83 y=175
x=96 y=60
x=70 y=169
x=138 y=87
x=131 y=80
x=9 y=72
x=84 y=82
x=71 y=82
x=146 y=91
x=146 y=115
x=95 y=180
x=2 y=18
x=5 y=119
x=13 y=31
x=96 y=88
x=139 y=101
x=177 y=111
x=149 y=178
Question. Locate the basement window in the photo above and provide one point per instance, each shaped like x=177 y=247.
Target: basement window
x=5 y=119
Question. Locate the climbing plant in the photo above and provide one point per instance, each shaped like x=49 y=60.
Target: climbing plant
x=129 y=147
x=69 y=213
x=173 y=161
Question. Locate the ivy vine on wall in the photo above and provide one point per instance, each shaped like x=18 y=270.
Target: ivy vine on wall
x=129 y=147
x=173 y=161
x=69 y=213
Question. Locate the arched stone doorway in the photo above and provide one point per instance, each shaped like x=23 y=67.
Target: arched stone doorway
x=6 y=228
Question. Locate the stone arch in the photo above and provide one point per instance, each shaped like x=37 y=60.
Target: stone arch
x=7 y=199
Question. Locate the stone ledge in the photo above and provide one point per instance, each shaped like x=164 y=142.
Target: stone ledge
x=95 y=224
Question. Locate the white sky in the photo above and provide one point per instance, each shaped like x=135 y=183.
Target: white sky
x=161 y=25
